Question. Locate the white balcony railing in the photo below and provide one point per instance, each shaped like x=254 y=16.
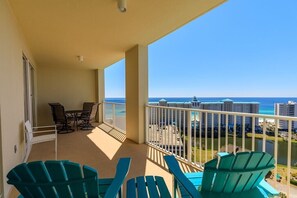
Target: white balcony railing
x=196 y=135
x=114 y=115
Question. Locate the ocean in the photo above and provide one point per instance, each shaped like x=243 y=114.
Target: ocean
x=266 y=104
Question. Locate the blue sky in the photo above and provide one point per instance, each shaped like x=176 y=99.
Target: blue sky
x=244 y=48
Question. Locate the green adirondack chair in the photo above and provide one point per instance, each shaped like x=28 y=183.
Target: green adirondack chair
x=240 y=175
x=147 y=186
x=66 y=179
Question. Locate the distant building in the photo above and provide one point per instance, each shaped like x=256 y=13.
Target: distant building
x=169 y=116
x=229 y=105
x=286 y=109
x=165 y=116
x=195 y=103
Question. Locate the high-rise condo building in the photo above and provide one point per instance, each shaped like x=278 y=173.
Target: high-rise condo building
x=224 y=105
x=286 y=109
x=229 y=105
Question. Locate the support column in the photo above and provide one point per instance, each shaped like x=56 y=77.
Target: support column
x=100 y=94
x=136 y=92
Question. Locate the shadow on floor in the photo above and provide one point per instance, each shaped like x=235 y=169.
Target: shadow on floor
x=101 y=149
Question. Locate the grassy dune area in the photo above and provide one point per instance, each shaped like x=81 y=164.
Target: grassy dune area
x=272 y=138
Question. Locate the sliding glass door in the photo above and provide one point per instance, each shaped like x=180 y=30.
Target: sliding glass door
x=29 y=93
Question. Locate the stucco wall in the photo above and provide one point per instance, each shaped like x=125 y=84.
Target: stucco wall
x=70 y=87
x=12 y=45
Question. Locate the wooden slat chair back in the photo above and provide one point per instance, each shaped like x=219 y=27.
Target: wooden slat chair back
x=236 y=173
x=180 y=179
x=147 y=186
x=226 y=175
x=65 y=179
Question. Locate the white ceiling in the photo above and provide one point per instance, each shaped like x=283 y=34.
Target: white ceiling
x=57 y=31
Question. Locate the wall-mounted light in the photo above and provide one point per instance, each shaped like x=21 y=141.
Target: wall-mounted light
x=122 y=5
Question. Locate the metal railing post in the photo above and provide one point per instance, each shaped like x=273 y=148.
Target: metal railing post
x=189 y=133
x=276 y=147
x=253 y=133
x=234 y=134
x=147 y=123
x=243 y=133
x=226 y=133
x=103 y=113
x=264 y=135
x=219 y=132
x=205 y=138
x=212 y=135
x=289 y=157
x=113 y=115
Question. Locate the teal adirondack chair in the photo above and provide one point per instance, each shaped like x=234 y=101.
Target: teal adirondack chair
x=240 y=175
x=147 y=186
x=66 y=179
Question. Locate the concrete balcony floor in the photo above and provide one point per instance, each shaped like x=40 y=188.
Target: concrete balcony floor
x=101 y=148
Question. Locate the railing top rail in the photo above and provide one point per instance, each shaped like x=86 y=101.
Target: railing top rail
x=116 y=103
x=227 y=112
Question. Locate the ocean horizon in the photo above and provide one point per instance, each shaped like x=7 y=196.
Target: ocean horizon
x=266 y=104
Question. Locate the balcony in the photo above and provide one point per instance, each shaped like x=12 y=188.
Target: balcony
x=39 y=65
x=167 y=129
x=168 y=132
x=101 y=148
x=195 y=136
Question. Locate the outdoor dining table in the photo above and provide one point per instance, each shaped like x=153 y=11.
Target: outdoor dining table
x=75 y=114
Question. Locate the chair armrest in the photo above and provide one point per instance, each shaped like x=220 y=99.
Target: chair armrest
x=221 y=154
x=268 y=188
x=180 y=177
x=40 y=127
x=44 y=131
x=121 y=173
